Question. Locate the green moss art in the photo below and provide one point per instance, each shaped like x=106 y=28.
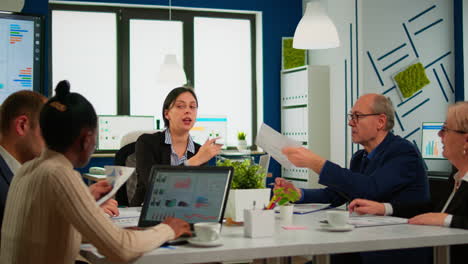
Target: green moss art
x=411 y=80
x=292 y=58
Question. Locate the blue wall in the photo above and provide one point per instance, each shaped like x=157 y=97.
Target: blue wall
x=459 y=66
x=280 y=18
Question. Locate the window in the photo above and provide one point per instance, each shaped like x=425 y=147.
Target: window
x=112 y=55
x=150 y=41
x=84 y=51
x=223 y=71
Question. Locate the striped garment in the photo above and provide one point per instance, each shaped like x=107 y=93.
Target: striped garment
x=49 y=209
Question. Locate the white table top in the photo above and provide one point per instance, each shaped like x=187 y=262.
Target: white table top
x=312 y=241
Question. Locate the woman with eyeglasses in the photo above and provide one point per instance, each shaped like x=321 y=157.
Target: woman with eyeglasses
x=49 y=208
x=173 y=146
x=452 y=212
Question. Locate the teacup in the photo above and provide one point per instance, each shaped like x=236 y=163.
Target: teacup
x=337 y=218
x=207 y=231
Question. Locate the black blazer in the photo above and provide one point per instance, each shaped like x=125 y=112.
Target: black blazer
x=458 y=207
x=150 y=150
x=6 y=175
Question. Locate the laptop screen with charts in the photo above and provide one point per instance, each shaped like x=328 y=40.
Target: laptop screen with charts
x=194 y=194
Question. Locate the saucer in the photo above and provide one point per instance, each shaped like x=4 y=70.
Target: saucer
x=337 y=228
x=196 y=242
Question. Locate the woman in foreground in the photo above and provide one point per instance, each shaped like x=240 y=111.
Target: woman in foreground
x=49 y=208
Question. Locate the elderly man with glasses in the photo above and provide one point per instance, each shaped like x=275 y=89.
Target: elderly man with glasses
x=387 y=169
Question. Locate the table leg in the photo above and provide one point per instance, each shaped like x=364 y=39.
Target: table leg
x=321 y=259
x=442 y=255
x=280 y=260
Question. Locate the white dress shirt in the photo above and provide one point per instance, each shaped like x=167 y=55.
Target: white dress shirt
x=12 y=163
x=448 y=219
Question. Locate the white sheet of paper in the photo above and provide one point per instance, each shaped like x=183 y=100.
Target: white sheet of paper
x=373 y=220
x=273 y=142
x=116 y=176
x=306 y=208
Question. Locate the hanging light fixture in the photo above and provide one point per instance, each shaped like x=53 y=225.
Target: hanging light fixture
x=170 y=72
x=315 y=30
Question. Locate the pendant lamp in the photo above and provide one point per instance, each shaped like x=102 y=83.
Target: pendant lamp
x=171 y=73
x=315 y=30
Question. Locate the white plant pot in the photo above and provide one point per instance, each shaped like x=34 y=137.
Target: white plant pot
x=241 y=199
x=241 y=145
x=286 y=214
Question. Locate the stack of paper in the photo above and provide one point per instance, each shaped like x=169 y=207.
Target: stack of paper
x=372 y=220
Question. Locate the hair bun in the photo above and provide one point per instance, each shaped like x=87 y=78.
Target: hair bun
x=62 y=89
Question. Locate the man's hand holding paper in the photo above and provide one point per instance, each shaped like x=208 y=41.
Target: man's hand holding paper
x=273 y=143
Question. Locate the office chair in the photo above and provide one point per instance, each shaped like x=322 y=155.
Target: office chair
x=121 y=160
x=125 y=156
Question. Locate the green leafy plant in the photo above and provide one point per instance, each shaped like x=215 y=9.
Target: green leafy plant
x=241 y=136
x=286 y=196
x=246 y=175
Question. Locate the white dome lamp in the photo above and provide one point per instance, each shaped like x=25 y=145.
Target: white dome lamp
x=315 y=30
x=170 y=72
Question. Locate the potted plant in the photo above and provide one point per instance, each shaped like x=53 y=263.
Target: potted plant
x=247 y=188
x=285 y=199
x=241 y=142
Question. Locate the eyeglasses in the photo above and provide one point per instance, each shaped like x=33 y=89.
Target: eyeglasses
x=445 y=129
x=182 y=106
x=355 y=117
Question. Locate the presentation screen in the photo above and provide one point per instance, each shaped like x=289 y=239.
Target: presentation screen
x=209 y=127
x=111 y=129
x=20 y=53
x=431 y=147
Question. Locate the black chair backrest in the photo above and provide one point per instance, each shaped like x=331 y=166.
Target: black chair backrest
x=120 y=160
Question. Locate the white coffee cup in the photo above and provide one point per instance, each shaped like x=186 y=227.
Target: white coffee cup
x=337 y=218
x=207 y=231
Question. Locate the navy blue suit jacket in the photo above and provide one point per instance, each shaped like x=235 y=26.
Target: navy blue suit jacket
x=5 y=179
x=395 y=173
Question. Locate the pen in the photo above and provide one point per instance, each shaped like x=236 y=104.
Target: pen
x=272 y=203
x=341 y=194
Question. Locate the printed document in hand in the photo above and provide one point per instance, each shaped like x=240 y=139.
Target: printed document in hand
x=116 y=176
x=273 y=142
x=373 y=220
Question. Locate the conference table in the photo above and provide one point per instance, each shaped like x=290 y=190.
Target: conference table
x=313 y=240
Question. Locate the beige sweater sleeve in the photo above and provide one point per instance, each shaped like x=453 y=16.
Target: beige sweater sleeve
x=77 y=205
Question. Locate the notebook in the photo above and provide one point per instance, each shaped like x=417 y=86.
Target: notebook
x=194 y=194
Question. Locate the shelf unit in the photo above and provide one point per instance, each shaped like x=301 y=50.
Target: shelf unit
x=305 y=116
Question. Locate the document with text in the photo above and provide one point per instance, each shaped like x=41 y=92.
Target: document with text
x=373 y=220
x=307 y=208
x=116 y=176
x=273 y=142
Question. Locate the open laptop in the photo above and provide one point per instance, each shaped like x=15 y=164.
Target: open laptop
x=194 y=194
